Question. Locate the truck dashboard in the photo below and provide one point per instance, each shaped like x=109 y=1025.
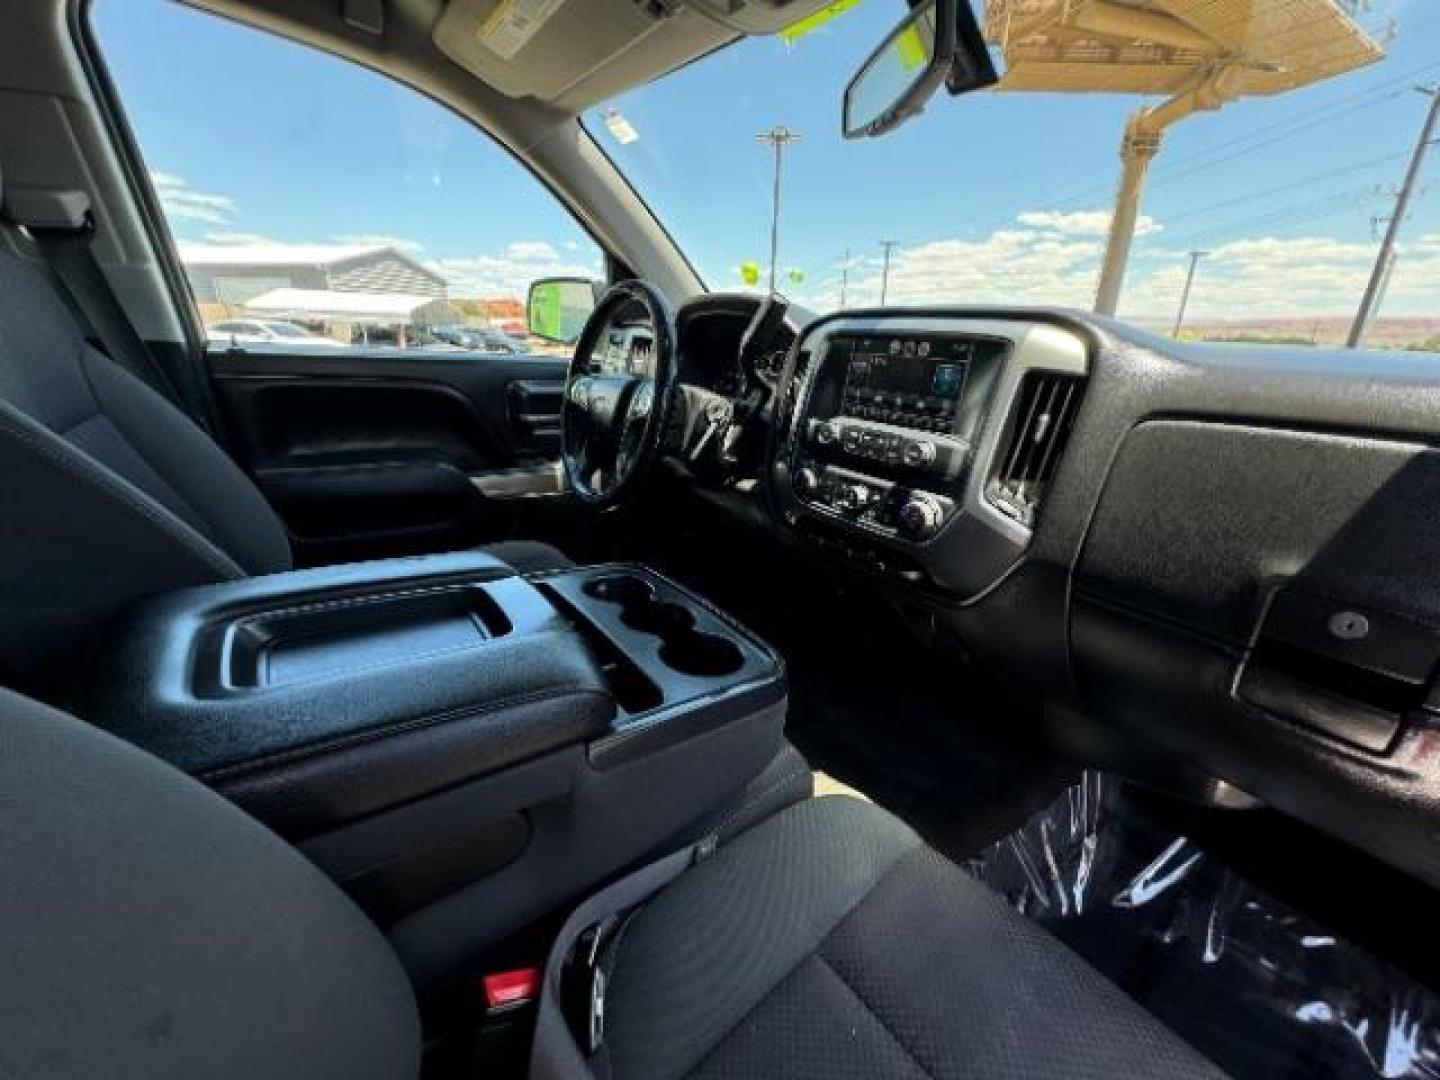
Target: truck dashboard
x=1197 y=548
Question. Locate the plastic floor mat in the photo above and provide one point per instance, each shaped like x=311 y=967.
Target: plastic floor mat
x=1254 y=984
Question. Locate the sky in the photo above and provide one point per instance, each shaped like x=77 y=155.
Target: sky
x=990 y=197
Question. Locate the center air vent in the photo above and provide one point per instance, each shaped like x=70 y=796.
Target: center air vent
x=1039 y=427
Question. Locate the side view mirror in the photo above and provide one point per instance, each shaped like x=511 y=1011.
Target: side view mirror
x=938 y=43
x=557 y=308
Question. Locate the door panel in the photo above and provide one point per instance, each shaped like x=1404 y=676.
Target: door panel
x=368 y=454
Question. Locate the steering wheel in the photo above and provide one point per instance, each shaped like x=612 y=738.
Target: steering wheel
x=612 y=422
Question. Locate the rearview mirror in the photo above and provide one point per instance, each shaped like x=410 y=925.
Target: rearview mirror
x=557 y=308
x=937 y=44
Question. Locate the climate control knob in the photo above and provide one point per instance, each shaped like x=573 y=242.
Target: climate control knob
x=920 y=516
x=826 y=433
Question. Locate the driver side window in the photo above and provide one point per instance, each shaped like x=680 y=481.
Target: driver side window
x=334 y=206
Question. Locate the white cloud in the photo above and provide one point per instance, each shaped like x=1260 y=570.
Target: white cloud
x=182 y=203
x=1082 y=222
x=531 y=251
x=227 y=237
x=1053 y=258
x=380 y=240
x=1276 y=277
x=510 y=272
x=1025 y=265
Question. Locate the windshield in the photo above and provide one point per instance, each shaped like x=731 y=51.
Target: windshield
x=1274 y=206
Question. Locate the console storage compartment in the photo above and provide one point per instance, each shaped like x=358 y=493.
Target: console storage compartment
x=460 y=747
x=276 y=647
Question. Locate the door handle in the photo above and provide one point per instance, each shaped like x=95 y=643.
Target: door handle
x=544 y=480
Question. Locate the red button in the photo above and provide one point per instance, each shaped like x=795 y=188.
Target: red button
x=511 y=987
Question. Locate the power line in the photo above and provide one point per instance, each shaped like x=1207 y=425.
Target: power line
x=1301 y=213
x=1283 y=189
x=1204 y=159
x=1265 y=143
x=1379 y=91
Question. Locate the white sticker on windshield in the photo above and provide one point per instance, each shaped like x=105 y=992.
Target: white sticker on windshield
x=512 y=24
x=621 y=128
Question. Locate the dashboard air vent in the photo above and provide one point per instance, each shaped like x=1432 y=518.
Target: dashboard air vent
x=1039 y=427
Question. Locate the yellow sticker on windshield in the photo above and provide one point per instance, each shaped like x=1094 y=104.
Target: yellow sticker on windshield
x=910 y=48
x=750 y=273
x=798 y=29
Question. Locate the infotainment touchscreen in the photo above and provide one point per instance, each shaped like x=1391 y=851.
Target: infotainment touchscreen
x=932 y=369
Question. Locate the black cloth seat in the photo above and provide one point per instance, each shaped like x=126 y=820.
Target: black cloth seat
x=151 y=929
x=112 y=493
x=829 y=941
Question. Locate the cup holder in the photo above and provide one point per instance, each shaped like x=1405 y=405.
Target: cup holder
x=627 y=590
x=661 y=620
x=703 y=655
x=682 y=647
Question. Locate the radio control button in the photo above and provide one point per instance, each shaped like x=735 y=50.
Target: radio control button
x=920 y=453
x=825 y=433
x=855 y=496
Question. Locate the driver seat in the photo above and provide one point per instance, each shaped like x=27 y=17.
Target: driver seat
x=113 y=493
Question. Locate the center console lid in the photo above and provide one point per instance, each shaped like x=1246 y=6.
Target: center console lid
x=461 y=748
x=318 y=696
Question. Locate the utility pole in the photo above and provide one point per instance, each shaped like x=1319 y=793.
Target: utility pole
x=889 y=246
x=1195 y=257
x=1384 y=261
x=844 y=278
x=778 y=137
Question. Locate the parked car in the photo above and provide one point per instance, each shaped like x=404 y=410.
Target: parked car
x=266 y=332
x=478 y=339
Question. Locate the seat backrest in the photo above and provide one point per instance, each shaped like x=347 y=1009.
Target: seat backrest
x=149 y=928
x=111 y=493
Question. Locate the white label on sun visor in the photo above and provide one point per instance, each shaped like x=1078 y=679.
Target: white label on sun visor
x=513 y=23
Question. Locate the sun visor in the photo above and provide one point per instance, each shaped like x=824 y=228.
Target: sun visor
x=572 y=53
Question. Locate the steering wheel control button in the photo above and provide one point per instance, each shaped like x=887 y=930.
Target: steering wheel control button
x=825 y=434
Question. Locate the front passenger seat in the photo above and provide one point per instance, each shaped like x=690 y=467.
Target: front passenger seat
x=112 y=494
x=151 y=929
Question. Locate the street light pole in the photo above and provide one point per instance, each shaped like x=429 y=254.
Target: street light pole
x=1195 y=257
x=844 y=278
x=1370 y=303
x=778 y=137
x=889 y=246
